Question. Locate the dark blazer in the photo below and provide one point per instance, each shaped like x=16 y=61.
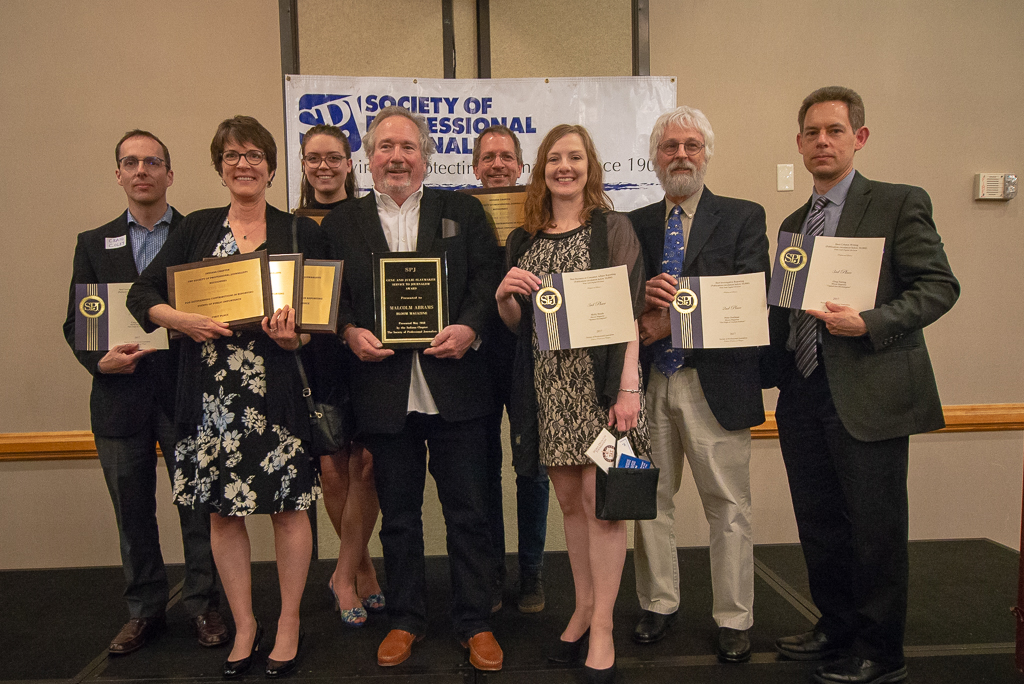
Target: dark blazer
x=192 y=242
x=120 y=405
x=882 y=383
x=727 y=237
x=460 y=388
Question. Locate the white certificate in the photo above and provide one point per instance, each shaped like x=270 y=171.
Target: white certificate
x=102 y=320
x=810 y=271
x=720 y=312
x=584 y=309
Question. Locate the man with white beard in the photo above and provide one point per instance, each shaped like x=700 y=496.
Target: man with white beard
x=701 y=403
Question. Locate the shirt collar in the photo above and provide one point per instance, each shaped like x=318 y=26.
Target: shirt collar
x=165 y=219
x=837 y=195
x=385 y=203
x=689 y=205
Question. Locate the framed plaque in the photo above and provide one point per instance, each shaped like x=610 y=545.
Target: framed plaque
x=504 y=208
x=410 y=292
x=286 y=280
x=315 y=214
x=321 y=290
x=234 y=290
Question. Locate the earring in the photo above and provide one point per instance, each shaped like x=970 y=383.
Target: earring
x=269 y=183
x=224 y=184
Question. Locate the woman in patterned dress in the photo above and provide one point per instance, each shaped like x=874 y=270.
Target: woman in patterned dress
x=564 y=398
x=242 y=424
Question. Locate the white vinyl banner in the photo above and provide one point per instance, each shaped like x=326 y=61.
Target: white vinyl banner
x=619 y=112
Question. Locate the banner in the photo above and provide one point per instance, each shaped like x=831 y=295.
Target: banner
x=619 y=112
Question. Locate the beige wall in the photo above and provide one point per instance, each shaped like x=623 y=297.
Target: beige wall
x=918 y=64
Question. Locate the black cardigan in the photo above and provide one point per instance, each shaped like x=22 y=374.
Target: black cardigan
x=192 y=242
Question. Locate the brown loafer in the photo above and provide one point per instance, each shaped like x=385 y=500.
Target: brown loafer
x=135 y=634
x=484 y=651
x=396 y=647
x=210 y=629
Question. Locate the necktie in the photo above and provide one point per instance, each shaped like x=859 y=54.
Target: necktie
x=806 y=324
x=669 y=359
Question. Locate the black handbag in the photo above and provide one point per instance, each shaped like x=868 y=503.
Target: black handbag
x=626 y=494
x=331 y=423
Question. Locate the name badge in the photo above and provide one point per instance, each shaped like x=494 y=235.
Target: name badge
x=115 y=242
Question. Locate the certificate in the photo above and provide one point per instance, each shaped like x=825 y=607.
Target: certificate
x=810 y=271
x=286 y=279
x=719 y=312
x=233 y=290
x=321 y=288
x=102 y=319
x=584 y=309
x=504 y=208
x=411 y=298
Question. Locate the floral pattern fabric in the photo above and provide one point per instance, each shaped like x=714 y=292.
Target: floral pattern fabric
x=235 y=463
x=569 y=414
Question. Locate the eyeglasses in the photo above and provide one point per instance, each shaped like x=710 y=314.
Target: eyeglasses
x=231 y=158
x=333 y=160
x=132 y=163
x=690 y=147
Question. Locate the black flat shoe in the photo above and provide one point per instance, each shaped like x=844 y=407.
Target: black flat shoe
x=237 y=668
x=859 y=671
x=568 y=651
x=652 y=627
x=279 y=668
x=605 y=676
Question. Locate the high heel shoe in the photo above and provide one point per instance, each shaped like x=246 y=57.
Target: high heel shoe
x=236 y=668
x=568 y=651
x=605 y=676
x=374 y=603
x=279 y=668
x=353 y=617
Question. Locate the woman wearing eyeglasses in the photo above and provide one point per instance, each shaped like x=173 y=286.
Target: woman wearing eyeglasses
x=349 y=493
x=241 y=420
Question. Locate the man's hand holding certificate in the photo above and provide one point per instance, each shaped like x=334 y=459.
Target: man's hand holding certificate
x=583 y=309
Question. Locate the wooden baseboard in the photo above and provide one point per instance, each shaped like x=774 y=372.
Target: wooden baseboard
x=79 y=444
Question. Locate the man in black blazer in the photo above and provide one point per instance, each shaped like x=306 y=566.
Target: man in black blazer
x=439 y=396
x=132 y=407
x=701 y=403
x=853 y=387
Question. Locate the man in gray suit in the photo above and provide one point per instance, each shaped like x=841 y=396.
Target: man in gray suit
x=853 y=386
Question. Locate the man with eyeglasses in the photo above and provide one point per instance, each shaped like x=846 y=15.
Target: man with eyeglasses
x=701 y=403
x=132 y=408
x=498 y=163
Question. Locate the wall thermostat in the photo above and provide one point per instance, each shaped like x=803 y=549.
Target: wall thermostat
x=995 y=186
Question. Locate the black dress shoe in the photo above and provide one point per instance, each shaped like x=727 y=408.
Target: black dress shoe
x=859 y=671
x=279 y=668
x=237 y=668
x=733 y=645
x=569 y=651
x=652 y=627
x=813 y=645
x=605 y=676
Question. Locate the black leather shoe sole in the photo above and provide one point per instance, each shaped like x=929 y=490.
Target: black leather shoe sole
x=899 y=675
x=734 y=657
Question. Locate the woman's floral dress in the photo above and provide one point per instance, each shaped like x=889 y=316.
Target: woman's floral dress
x=236 y=463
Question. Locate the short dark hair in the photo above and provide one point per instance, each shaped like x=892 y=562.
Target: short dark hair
x=139 y=133
x=306 y=192
x=243 y=129
x=854 y=104
x=497 y=129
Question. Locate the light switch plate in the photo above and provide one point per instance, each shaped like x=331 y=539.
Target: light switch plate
x=784 y=177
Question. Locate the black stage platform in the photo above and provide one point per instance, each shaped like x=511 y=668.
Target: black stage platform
x=56 y=625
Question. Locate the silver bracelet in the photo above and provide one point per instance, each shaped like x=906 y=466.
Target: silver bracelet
x=636 y=391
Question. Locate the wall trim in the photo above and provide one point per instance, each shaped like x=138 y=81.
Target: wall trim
x=78 y=444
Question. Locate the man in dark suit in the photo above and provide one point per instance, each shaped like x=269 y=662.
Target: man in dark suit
x=132 y=406
x=498 y=163
x=701 y=403
x=439 y=396
x=853 y=386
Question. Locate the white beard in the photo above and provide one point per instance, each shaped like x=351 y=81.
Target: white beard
x=680 y=185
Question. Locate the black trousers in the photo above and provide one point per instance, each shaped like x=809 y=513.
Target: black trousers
x=850 y=501
x=458 y=465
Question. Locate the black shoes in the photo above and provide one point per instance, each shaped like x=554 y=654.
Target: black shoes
x=813 y=645
x=652 y=627
x=237 y=668
x=531 y=593
x=733 y=645
x=279 y=668
x=859 y=671
x=606 y=676
x=569 y=651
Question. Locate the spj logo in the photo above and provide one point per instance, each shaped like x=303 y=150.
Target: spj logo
x=549 y=300
x=793 y=258
x=685 y=301
x=334 y=110
x=92 y=306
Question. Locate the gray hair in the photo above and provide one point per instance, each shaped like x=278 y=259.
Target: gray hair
x=427 y=147
x=685 y=117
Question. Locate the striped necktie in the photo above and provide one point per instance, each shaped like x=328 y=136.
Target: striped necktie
x=807 y=325
x=669 y=359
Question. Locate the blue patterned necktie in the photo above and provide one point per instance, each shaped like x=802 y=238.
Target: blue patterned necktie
x=669 y=360
x=806 y=324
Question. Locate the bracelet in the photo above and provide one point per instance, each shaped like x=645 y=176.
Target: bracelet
x=623 y=389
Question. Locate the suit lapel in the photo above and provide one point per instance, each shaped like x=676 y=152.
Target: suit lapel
x=704 y=221
x=856 y=204
x=369 y=224
x=121 y=258
x=430 y=219
x=652 y=233
x=795 y=222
